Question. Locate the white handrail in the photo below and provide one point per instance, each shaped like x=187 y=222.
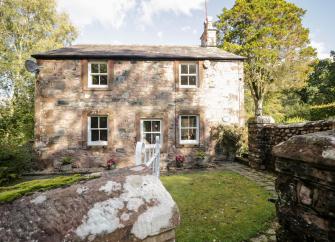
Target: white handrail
x=149 y=155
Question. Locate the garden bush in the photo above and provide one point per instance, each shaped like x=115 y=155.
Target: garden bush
x=14 y=160
x=294 y=120
x=231 y=138
x=320 y=112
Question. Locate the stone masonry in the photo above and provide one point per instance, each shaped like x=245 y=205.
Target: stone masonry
x=137 y=89
x=306 y=187
x=263 y=135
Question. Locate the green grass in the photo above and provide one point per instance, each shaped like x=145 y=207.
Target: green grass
x=219 y=206
x=11 y=193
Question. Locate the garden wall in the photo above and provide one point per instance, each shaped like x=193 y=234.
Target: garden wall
x=264 y=135
x=306 y=187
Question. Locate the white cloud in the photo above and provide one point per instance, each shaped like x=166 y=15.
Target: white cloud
x=323 y=53
x=114 y=13
x=185 y=28
x=150 y=8
x=160 y=34
x=106 y=12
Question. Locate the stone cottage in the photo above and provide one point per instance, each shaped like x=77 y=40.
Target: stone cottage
x=94 y=102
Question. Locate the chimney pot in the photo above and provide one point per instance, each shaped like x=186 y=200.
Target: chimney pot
x=208 y=37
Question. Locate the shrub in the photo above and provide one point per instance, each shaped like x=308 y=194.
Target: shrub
x=231 y=137
x=200 y=154
x=295 y=120
x=14 y=160
x=325 y=111
x=67 y=160
x=300 y=110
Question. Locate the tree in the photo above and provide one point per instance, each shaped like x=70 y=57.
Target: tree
x=320 y=88
x=270 y=34
x=26 y=27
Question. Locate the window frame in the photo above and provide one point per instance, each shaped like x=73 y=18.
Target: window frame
x=188 y=74
x=89 y=132
x=192 y=142
x=90 y=79
x=160 y=130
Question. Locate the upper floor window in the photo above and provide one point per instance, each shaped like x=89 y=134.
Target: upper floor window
x=188 y=75
x=98 y=74
x=189 y=129
x=97 y=130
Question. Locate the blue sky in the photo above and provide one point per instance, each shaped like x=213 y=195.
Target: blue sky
x=174 y=22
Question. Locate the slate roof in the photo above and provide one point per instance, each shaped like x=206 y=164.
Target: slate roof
x=145 y=52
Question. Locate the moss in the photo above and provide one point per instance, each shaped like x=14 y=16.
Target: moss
x=219 y=206
x=11 y=193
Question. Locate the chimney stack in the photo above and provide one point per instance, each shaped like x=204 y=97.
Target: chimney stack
x=208 y=37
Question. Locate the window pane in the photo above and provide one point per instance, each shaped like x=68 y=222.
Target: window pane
x=183 y=80
x=184 y=134
x=103 y=68
x=94 y=68
x=103 y=80
x=184 y=121
x=192 y=134
x=103 y=135
x=147 y=138
x=156 y=126
x=154 y=138
x=94 y=122
x=183 y=69
x=193 y=121
x=95 y=80
x=192 y=80
x=103 y=122
x=95 y=135
x=193 y=69
x=147 y=126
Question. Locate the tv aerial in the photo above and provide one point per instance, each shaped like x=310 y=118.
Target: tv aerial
x=31 y=66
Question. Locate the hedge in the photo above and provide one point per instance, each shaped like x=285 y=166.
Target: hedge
x=324 y=111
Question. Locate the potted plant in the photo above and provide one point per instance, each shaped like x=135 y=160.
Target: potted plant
x=200 y=158
x=111 y=164
x=180 y=160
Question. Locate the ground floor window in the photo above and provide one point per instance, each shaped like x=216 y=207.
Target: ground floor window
x=150 y=128
x=189 y=129
x=98 y=130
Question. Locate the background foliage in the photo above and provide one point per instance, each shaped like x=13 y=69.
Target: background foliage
x=26 y=27
x=277 y=46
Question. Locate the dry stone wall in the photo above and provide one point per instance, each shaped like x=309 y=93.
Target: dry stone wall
x=137 y=90
x=264 y=135
x=306 y=187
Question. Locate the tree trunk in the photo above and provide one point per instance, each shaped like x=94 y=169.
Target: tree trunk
x=258 y=107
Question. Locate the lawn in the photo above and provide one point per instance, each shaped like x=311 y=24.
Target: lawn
x=10 y=193
x=219 y=206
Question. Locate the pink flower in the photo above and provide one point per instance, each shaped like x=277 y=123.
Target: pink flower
x=180 y=158
x=111 y=162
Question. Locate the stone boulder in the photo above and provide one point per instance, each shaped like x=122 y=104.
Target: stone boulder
x=127 y=204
